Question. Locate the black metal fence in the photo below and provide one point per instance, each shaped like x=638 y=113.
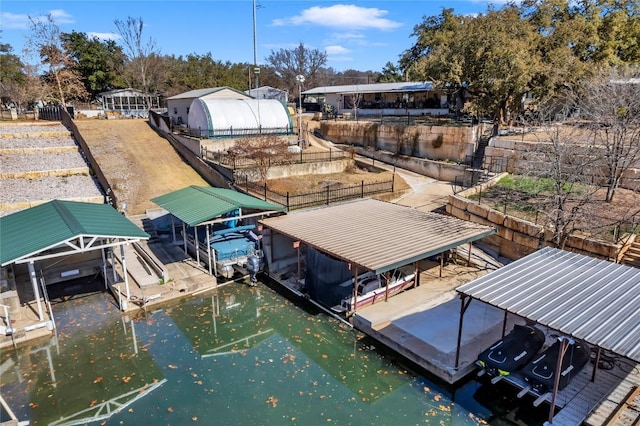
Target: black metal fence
x=235 y=162
x=238 y=133
x=317 y=198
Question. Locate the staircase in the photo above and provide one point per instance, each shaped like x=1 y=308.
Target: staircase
x=632 y=256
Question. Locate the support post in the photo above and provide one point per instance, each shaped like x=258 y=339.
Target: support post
x=104 y=268
x=126 y=276
x=463 y=308
x=184 y=237
x=595 y=364
x=504 y=323
x=469 y=256
x=36 y=291
x=208 y=250
x=196 y=243
x=173 y=229
x=355 y=291
x=564 y=345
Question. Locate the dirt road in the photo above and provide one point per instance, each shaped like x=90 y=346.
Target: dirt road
x=138 y=163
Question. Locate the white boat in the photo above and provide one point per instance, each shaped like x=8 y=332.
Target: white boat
x=372 y=288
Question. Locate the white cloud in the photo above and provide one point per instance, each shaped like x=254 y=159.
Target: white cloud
x=61 y=17
x=15 y=21
x=104 y=36
x=341 y=16
x=336 y=50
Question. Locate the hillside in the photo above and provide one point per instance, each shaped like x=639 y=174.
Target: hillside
x=138 y=163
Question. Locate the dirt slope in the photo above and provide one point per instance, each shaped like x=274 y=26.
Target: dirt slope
x=138 y=163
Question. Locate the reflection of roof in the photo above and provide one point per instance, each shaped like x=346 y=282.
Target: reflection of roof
x=198 y=204
x=376 y=235
x=52 y=224
x=372 y=88
x=586 y=298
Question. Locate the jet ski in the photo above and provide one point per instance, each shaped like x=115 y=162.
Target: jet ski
x=540 y=372
x=511 y=352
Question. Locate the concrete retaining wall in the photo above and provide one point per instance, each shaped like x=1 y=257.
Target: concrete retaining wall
x=443 y=143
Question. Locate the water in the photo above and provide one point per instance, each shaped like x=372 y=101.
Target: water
x=237 y=356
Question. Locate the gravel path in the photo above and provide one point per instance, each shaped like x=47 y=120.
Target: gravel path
x=11 y=130
x=19 y=193
x=48 y=188
x=17 y=163
x=30 y=143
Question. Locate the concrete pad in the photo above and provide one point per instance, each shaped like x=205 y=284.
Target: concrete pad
x=439 y=325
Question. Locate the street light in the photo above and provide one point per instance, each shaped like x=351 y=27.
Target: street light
x=300 y=80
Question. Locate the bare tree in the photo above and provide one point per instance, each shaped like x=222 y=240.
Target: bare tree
x=61 y=74
x=561 y=163
x=264 y=151
x=141 y=53
x=301 y=60
x=611 y=106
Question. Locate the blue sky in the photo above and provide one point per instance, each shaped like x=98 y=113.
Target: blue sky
x=362 y=35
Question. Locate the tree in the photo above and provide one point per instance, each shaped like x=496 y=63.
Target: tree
x=492 y=55
x=61 y=74
x=287 y=63
x=141 y=54
x=12 y=75
x=98 y=61
x=561 y=163
x=390 y=74
x=263 y=150
x=610 y=103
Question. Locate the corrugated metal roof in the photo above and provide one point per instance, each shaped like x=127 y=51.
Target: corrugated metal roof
x=198 y=93
x=590 y=299
x=198 y=204
x=47 y=225
x=409 y=86
x=377 y=235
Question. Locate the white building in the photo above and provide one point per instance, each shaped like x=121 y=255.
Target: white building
x=178 y=105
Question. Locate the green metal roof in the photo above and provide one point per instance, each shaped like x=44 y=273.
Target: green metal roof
x=198 y=204
x=47 y=225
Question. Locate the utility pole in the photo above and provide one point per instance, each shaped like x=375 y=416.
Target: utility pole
x=256 y=70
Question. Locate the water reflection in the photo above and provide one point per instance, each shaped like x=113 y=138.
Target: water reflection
x=239 y=355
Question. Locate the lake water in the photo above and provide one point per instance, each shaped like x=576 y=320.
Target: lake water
x=235 y=356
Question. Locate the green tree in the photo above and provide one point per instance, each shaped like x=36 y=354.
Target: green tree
x=12 y=76
x=99 y=62
x=61 y=73
x=493 y=55
x=390 y=74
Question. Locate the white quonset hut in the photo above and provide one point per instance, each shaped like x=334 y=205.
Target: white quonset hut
x=178 y=105
x=212 y=118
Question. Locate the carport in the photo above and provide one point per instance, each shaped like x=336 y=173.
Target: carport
x=59 y=229
x=588 y=299
x=369 y=235
x=197 y=206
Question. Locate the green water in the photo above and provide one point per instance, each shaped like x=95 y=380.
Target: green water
x=235 y=356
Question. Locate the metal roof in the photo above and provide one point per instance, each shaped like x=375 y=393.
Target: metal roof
x=590 y=299
x=195 y=205
x=377 y=235
x=409 y=86
x=31 y=231
x=198 y=93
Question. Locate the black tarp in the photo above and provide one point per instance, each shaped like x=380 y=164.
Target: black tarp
x=324 y=276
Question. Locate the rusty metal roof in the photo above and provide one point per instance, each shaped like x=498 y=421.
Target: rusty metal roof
x=590 y=299
x=377 y=235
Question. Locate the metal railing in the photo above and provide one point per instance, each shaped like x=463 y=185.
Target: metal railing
x=235 y=162
x=238 y=132
x=326 y=196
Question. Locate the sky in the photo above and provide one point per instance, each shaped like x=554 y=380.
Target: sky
x=360 y=35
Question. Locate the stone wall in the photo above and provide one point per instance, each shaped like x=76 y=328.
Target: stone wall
x=443 y=143
x=516 y=237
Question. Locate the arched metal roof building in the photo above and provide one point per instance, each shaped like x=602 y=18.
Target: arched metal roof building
x=238 y=117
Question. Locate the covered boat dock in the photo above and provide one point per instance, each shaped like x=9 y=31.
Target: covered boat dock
x=583 y=298
x=201 y=207
x=59 y=241
x=360 y=236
